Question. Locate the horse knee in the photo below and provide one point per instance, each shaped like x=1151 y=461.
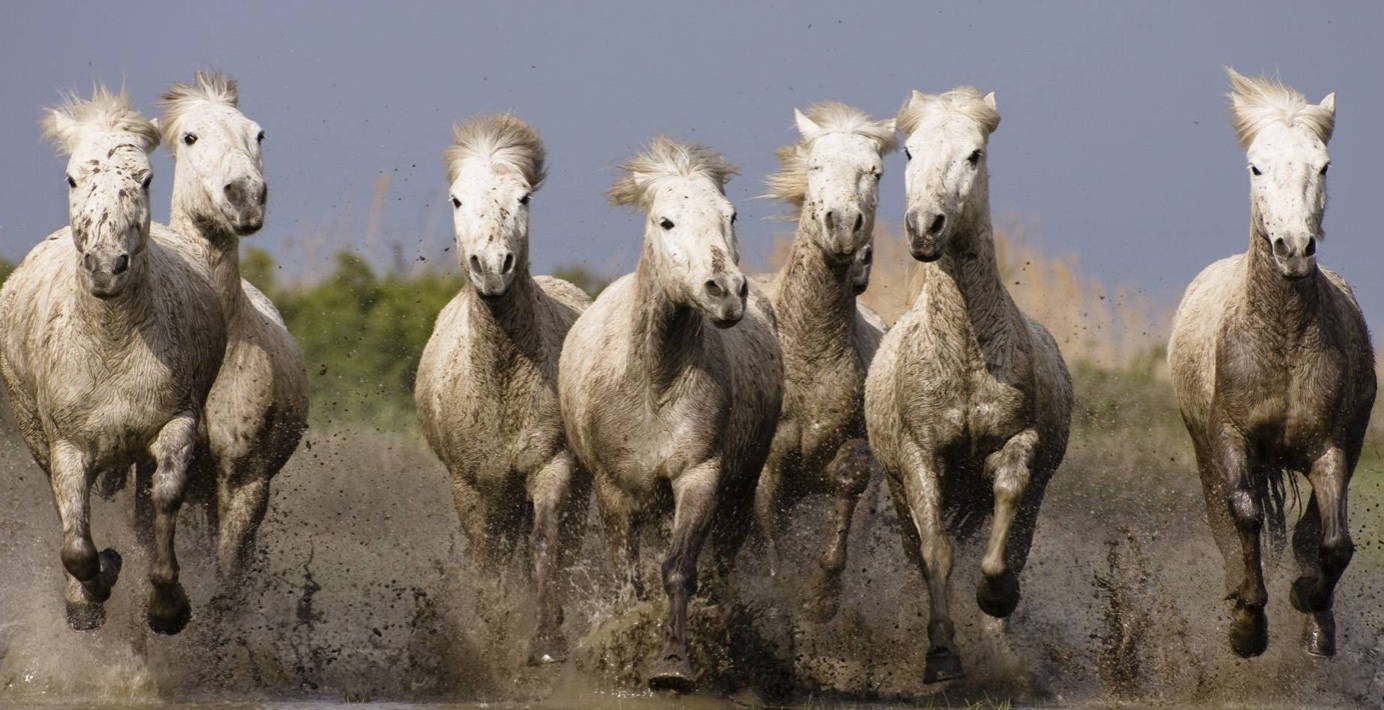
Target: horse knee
x=80 y=560
x=677 y=579
x=852 y=468
x=1336 y=553
x=1244 y=510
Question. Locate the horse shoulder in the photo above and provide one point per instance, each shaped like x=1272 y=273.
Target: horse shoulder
x=1196 y=329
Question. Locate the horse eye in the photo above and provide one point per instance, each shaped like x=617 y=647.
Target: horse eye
x=665 y=223
x=907 y=154
x=148 y=180
x=1324 y=167
x=1255 y=170
x=71 y=182
x=456 y=202
x=525 y=199
x=974 y=157
x=189 y=138
x=260 y=138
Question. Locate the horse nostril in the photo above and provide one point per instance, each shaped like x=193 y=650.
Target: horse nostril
x=935 y=226
x=859 y=222
x=475 y=264
x=89 y=262
x=232 y=191
x=714 y=289
x=263 y=194
x=910 y=223
x=122 y=264
x=1280 y=247
x=830 y=219
x=744 y=288
x=1311 y=248
x=509 y=263
x=867 y=254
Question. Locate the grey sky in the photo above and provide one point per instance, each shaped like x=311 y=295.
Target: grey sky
x=1114 y=139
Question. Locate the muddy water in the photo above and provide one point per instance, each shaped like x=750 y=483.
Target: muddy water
x=362 y=592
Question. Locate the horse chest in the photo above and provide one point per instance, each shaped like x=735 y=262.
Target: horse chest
x=825 y=405
x=115 y=410
x=1285 y=398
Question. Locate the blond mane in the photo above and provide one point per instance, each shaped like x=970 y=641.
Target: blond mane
x=966 y=100
x=206 y=87
x=790 y=182
x=665 y=157
x=499 y=138
x=65 y=125
x=1260 y=101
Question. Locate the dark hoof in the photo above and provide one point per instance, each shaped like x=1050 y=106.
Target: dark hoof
x=169 y=610
x=997 y=596
x=547 y=648
x=1319 y=638
x=822 y=597
x=942 y=664
x=1306 y=598
x=1249 y=631
x=672 y=673
x=85 y=616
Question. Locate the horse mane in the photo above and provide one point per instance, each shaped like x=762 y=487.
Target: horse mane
x=966 y=100
x=790 y=182
x=500 y=138
x=206 y=87
x=1260 y=101
x=64 y=125
x=665 y=157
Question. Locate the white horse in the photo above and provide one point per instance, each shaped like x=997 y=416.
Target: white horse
x=832 y=176
x=671 y=380
x=111 y=342
x=487 y=381
x=1274 y=371
x=968 y=402
x=257 y=410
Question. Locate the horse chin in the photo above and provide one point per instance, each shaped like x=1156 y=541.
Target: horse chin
x=926 y=254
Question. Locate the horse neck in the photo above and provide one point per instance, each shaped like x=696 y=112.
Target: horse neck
x=504 y=331
x=222 y=250
x=970 y=266
x=114 y=322
x=814 y=301
x=1285 y=306
x=667 y=334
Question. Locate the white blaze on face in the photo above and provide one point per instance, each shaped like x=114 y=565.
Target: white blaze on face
x=490 y=215
x=220 y=165
x=690 y=224
x=108 y=180
x=844 y=170
x=1287 y=167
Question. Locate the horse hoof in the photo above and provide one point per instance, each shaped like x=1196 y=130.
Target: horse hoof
x=547 y=648
x=1249 y=631
x=1319 y=638
x=822 y=598
x=942 y=664
x=672 y=673
x=998 y=595
x=1305 y=598
x=85 y=616
x=169 y=610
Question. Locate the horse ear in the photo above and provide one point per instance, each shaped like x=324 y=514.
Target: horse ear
x=990 y=100
x=807 y=128
x=60 y=128
x=1329 y=103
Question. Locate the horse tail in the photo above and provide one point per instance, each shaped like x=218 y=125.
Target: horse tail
x=1271 y=493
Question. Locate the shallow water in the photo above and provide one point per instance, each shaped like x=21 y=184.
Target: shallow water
x=363 y=593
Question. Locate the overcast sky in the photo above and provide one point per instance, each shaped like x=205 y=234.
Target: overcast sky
x=1114 y=143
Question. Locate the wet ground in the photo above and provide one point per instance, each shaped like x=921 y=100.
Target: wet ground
x=363 y=593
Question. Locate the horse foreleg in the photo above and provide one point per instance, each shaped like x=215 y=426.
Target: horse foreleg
x=622 y=537
x=1249 y=627
x=549 y=490
x=849 y=474
x=168 y=610
x=1327 y=517
x=242 y=499
x=90 y=575
x=694 y=506
x=1011 y=470
x=766 y=503
x=922 y=487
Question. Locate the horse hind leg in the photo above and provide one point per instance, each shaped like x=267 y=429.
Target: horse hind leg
x=90 y=575
x=1324 y=549
x=849 y=475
